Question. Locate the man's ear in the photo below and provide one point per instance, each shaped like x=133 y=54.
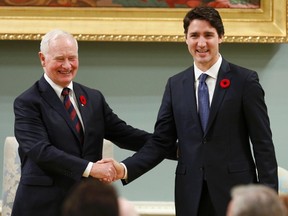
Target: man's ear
x=220 y=39
x=42 y=58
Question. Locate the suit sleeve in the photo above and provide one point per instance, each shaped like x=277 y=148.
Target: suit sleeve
x=260 y=133
x=127 y=137
x=119 y=132
x=162 y=142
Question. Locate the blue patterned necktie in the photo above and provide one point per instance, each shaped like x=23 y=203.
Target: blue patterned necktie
x=72 y=113
x=203 y=101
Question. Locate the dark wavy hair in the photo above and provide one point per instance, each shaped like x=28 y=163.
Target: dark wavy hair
x=209 y=14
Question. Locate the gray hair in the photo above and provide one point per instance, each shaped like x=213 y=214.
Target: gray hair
x=256 y=200
x=52 y=35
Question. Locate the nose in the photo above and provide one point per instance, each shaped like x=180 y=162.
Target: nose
x=201 y=42
x=66 y=64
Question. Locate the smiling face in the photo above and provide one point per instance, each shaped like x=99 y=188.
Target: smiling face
x=203 y=43
x=60 y=61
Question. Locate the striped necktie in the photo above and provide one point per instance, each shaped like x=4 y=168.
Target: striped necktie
x=72 y=113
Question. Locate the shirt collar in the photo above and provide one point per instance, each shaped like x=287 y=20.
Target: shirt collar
x=58 y=89
x=212 y=71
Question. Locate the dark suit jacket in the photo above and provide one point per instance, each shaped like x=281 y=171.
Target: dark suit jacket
x=52 y=158
x=221 y=155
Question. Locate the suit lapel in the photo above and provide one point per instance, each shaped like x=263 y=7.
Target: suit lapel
x=81 y=99
x=49 y=95
x=189 y=91
x=85 y=108
x=219 y=92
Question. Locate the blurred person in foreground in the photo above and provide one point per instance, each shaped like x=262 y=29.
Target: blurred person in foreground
x=214 y=109
x=92 y=198
x=255 y=200
x=60 y=126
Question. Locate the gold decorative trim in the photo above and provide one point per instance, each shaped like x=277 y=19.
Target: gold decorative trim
x=147 y=38
x=267 y=24
x=88 y=37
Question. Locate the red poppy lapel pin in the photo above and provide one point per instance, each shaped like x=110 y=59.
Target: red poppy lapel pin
x=83 y=100
x=225 y=83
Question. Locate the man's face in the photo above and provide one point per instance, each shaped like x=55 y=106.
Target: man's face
x=61 y=61
x=203 y=43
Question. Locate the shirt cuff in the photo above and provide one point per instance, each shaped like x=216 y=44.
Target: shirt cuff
x=88 y=170
x=125 y=171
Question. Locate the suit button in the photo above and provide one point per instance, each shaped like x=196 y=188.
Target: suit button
x=204 y=141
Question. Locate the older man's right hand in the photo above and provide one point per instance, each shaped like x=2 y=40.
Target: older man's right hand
x=104 y=171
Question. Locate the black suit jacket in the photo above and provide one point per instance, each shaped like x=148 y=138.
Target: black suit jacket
x=222 y=154
x=52 y=157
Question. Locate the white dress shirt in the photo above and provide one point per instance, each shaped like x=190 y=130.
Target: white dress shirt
x=211 y=79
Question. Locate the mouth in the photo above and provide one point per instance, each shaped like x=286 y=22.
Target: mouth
x=64 y=72
x=201 y=51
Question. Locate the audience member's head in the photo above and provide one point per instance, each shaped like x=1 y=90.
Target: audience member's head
x=255 y=200
x=91 y=198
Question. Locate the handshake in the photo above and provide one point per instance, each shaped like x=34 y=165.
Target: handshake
x=107 y=170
